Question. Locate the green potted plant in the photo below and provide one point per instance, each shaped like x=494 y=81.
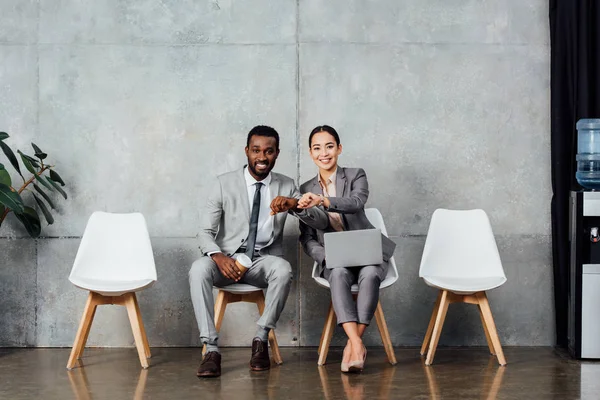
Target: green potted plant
x=43 y=175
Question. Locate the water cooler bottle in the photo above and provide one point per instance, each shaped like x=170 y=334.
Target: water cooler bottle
x=584 y=287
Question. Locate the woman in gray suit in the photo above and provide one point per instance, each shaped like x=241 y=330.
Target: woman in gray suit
x=343 y=193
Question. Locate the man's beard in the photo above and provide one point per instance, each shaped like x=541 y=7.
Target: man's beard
x=260 y=174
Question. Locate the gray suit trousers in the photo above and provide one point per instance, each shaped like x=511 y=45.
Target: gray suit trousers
x=341 y=280
x=267 y=272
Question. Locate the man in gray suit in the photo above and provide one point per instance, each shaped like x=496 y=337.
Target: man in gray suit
x=245 y=214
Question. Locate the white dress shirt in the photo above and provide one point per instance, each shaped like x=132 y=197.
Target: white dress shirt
x=264 y=232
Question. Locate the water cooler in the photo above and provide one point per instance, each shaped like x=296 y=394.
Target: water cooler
x=584 y=290
x=584 y=233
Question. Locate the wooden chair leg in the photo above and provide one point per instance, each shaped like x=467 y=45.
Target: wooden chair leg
x=87 y=331
x=84 y=329
x=260 y=303
x=220 y=306
x=133 y=312
x=385 y=334
x=275 y=348
x=491 y=326
x=142 y=329
x=431 y=324
x=437 y=329
x=487 y=333
x=326 y=335
x=321 y=340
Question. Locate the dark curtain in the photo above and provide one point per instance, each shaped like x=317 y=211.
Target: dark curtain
x=575 y=63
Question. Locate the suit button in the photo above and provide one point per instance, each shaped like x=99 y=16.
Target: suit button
x=242 y=240
x=228 y=254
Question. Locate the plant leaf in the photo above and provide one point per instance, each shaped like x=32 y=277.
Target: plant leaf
x=44 y=195
x=11 y=199
x=32 y=160
x=5 y=176
x=56 y=177
x=30 y=219
x=44 y=209
x=38 y=152
x=57 y=187
x=4 y=135
x=27 y=163
x=44 y=182
x=11 y=157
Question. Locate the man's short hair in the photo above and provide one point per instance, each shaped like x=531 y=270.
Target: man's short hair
x=263 y=130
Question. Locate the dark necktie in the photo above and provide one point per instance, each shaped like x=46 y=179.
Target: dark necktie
x=251 y=241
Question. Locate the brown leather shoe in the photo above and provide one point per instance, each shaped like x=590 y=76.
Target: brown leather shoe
x=260 y=360
x=210 y=367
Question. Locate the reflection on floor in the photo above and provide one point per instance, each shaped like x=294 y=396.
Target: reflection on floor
x=458 y=373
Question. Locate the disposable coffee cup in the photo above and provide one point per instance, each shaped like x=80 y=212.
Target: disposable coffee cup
x=243 y=262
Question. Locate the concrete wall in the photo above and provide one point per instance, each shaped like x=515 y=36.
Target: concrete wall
x=444 y=103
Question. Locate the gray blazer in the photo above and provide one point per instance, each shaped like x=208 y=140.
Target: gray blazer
x=352 y=190
x=225 y=222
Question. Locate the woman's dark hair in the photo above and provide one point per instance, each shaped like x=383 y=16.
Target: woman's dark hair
x=324 y=128
x=263 y=130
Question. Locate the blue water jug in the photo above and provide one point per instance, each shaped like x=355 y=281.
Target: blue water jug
x=588 y=153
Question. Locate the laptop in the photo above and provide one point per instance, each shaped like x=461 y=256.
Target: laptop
x=353 y=248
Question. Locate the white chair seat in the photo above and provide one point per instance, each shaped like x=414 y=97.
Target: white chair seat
x=385 y=283
x=107 y=287
x=239 y=288
x=462 y=285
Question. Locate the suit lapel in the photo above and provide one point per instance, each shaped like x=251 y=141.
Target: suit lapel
x=340 y=183
x=274 y=187
x=316 y=188
x=242 y=194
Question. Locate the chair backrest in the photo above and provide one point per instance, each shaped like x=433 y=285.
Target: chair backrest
x=115 y=247
x=376 y=219
x=374 y=216
x=460 y=243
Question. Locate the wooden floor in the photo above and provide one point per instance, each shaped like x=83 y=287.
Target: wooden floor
x=458 y=373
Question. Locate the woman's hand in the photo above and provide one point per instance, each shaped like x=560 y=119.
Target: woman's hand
x=309 y=200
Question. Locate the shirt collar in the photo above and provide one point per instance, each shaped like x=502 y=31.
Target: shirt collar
x=331 y=178
x=251 y=181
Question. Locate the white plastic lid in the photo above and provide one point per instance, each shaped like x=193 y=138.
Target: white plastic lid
x=244 y=260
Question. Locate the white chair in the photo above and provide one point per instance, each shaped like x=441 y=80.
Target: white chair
x=376 y=219
x=461 y=259
x=244 y=292
x=113 y=262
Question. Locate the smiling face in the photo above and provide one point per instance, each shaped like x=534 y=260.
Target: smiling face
x=325 y=151
x=262 y=152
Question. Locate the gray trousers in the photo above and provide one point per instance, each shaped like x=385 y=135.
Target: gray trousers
x=270 y=272
x=341 y=280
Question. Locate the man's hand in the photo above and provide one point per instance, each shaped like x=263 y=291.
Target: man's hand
x=227 y=266
x=309 y=200
x=283 y=204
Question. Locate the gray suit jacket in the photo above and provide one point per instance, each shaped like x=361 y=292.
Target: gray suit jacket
x=225 y=222
x=352 y=189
